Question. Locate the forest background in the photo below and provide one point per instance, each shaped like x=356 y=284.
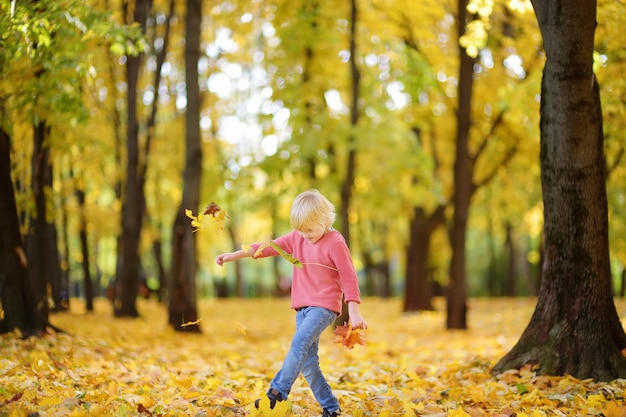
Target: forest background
x=362 y=106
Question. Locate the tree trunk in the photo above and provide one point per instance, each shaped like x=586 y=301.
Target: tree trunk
x=42 y=250
x=575 y=328
x=17 y=302
x=463 y=187
x=158 y=260
x=125 y=303
x=348 y=180
x=418 y=289
x=511 y=274
x=84 y=243
x=182 y=307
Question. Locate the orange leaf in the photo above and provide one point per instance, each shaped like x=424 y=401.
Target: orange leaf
x=348 y=337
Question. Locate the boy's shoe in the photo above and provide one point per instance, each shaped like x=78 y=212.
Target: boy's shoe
x=274 y=396
x=325 y=413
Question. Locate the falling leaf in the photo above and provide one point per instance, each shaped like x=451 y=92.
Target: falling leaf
x=212 y=209
x=196 y=221
x=348 y=336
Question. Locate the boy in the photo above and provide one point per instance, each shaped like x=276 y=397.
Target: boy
x=327 y=272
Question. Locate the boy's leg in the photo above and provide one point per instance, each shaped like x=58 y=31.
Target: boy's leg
x=310 y=323
x=317 y=382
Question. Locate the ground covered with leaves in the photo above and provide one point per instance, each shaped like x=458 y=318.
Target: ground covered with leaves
x=410 y=366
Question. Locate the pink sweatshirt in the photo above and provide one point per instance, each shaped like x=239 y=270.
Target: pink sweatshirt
x=327 y=270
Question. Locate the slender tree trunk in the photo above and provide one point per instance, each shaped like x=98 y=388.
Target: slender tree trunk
x=84 y=243
x=463 y=187
x=511 y=276
x=418 y=288
x=575 y=329
x=183 y=303
x=17 y=301
x=157 y=250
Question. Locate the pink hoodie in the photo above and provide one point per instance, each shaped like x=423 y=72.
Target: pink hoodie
x=327 y=270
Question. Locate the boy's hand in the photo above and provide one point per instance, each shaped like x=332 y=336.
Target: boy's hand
x=356 y=320
x=223 y=258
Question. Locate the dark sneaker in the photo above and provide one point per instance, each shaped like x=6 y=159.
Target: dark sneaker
x=325 y=413
x=274 y=396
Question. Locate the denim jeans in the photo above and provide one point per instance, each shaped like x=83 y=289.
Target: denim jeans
x=302 y=357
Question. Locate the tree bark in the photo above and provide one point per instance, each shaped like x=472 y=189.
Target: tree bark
x=182 y=307
x=575 y=328
x=84 y=244
x=125 y=303
x=17 y=303
x=418 y=288
x=41 y=242
x=456 y=296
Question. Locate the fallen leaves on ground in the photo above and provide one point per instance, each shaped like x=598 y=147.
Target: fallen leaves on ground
x=410 y=366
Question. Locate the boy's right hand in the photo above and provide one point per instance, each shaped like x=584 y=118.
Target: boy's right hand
x=220 y=259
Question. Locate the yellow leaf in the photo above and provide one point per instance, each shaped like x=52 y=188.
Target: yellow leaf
x=458 y=413
x=50 y=401
x=596 y=400
x=614 y=409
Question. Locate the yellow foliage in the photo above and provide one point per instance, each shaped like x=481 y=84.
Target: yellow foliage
x=409 y=367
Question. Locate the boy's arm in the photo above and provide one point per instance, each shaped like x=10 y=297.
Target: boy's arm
x=233 y=256
x=355 y=317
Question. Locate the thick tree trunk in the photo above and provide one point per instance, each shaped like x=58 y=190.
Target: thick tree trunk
x=575 y=328
x=183 y=303
x=463 y=187
x=18 y=307
x=42 y=250
x=418 y=288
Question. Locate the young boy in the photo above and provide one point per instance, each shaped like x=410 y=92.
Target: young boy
x=326 y=274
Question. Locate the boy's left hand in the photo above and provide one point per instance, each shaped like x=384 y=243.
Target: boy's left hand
x=356 y=321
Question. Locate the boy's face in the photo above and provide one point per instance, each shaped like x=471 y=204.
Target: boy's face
x=312 y=234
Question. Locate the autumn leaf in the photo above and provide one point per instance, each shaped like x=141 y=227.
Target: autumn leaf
x=613 y=409
x=213 y=211
x=348 y=336
x=196 y=221
x=217 y=214
x=289 y=257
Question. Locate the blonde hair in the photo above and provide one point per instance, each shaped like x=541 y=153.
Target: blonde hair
x=311 y=209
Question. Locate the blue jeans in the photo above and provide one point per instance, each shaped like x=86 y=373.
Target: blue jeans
x=302 y=357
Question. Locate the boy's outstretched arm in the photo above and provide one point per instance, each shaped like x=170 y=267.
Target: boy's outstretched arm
x=233 y=256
